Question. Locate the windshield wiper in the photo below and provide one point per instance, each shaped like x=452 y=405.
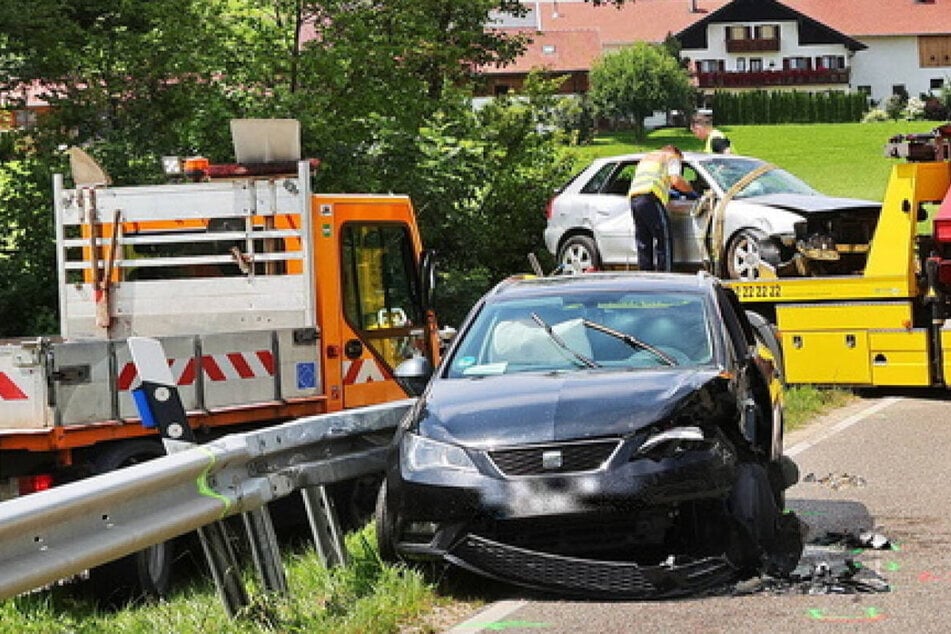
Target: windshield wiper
x=630 y=340
x=591 y=363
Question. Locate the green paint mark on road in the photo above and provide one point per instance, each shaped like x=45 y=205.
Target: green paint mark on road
x=869 y=614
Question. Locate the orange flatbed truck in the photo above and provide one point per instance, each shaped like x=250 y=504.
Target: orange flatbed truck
x=271 y=302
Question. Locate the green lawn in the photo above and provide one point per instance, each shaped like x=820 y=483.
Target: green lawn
x=839 y=159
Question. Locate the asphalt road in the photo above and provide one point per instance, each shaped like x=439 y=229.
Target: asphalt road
x=883 y=463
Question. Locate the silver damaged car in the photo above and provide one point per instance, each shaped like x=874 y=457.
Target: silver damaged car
x=749 y=219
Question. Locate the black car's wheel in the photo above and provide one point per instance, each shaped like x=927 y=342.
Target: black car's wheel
x=744 y=254
x=149 y=571
x=385 y=529
x=767 y=334
x=578 y=254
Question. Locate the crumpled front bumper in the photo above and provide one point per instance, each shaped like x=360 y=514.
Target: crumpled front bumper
x=587 y=577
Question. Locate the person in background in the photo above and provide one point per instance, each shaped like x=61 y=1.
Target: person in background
x=656 y=174
x=715 y=142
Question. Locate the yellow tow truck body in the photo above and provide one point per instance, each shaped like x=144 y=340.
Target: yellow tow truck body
x=884 y=326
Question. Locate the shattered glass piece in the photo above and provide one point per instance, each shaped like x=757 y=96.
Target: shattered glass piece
x=876 y=541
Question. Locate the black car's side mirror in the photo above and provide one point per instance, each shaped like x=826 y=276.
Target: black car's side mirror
x=413 y=374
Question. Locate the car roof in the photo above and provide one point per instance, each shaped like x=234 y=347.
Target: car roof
x=688 y=156
x=631 y=281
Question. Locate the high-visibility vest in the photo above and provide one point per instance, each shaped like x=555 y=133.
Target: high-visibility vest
x=651 y=177
x=715 y=134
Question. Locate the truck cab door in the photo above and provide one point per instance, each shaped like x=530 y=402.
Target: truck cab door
x=383 y=320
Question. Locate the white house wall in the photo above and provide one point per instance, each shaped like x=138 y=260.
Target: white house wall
x=890 y=61
x=788 y=47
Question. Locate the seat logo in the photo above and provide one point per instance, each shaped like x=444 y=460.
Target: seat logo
x=551 y=460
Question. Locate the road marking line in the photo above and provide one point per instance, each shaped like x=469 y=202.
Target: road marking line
x=842 y=425
x=484 y=619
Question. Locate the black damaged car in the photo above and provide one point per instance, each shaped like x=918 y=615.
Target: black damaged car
x=609 y=434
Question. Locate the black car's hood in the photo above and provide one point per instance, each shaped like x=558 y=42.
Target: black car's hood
x=538 y=408
x=806 y=204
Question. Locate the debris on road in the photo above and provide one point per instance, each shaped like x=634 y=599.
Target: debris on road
x=827 y=566
x=836 y=481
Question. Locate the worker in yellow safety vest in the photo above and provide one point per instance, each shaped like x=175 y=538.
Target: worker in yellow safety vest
x=656 y=174
x=715 y=142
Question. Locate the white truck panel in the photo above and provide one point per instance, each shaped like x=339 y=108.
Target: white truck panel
x=194 y=305
x=92 y=380
x=22 y=388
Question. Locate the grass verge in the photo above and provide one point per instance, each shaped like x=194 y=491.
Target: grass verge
x=805 y=402
x=366 y=597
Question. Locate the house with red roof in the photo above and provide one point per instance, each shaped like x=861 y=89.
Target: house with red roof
x=908 y=42
x=879 y=47
x=19 y=108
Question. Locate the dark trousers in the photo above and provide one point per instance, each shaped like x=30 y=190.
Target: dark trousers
x=651 y=234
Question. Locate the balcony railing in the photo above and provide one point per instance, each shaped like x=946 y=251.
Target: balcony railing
x=752 y=45
x=759 y=79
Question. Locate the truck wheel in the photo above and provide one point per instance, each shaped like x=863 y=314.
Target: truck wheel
x=147 y=572
x=579 y=254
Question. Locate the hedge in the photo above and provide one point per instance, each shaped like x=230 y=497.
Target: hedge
x=777 y=106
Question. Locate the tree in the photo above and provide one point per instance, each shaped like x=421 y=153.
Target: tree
x=631 y=84
x=381 y=87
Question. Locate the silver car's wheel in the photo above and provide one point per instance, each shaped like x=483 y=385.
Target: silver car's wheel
x=579 y=254
x=743 y=255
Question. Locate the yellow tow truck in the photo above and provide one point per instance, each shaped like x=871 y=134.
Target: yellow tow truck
x=887 y=324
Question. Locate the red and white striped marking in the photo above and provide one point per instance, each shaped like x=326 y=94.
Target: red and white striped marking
x=9 y=390
x=362 y=371
x=228 y=366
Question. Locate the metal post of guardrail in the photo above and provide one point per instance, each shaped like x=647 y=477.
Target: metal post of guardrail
x=264 y=550
x=328 y=539
x=159 y=405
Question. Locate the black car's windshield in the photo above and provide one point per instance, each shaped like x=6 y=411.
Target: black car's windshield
x=639 y=330
x=727 y=171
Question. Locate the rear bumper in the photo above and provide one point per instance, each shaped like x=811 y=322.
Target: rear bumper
x=552 y=236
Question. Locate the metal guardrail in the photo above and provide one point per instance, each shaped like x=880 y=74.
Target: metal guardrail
x=54 y=534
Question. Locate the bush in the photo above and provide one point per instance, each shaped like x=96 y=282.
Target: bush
x=895 y=106
x=574 y=115
x=934 y=110
x=875 y=115
x=914 y=109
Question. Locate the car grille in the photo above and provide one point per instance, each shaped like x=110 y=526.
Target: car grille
x=555 y=458
x=588 y=577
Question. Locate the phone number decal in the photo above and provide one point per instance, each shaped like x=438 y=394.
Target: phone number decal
x=760 y=291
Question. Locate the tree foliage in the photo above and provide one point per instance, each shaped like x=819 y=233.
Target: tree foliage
x=381 y=88
x=632 y=83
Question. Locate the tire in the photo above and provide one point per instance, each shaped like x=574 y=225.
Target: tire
x=744 y=254
x=767 y=335
x=148 y=572
x=385 y=529
x=578 y=254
